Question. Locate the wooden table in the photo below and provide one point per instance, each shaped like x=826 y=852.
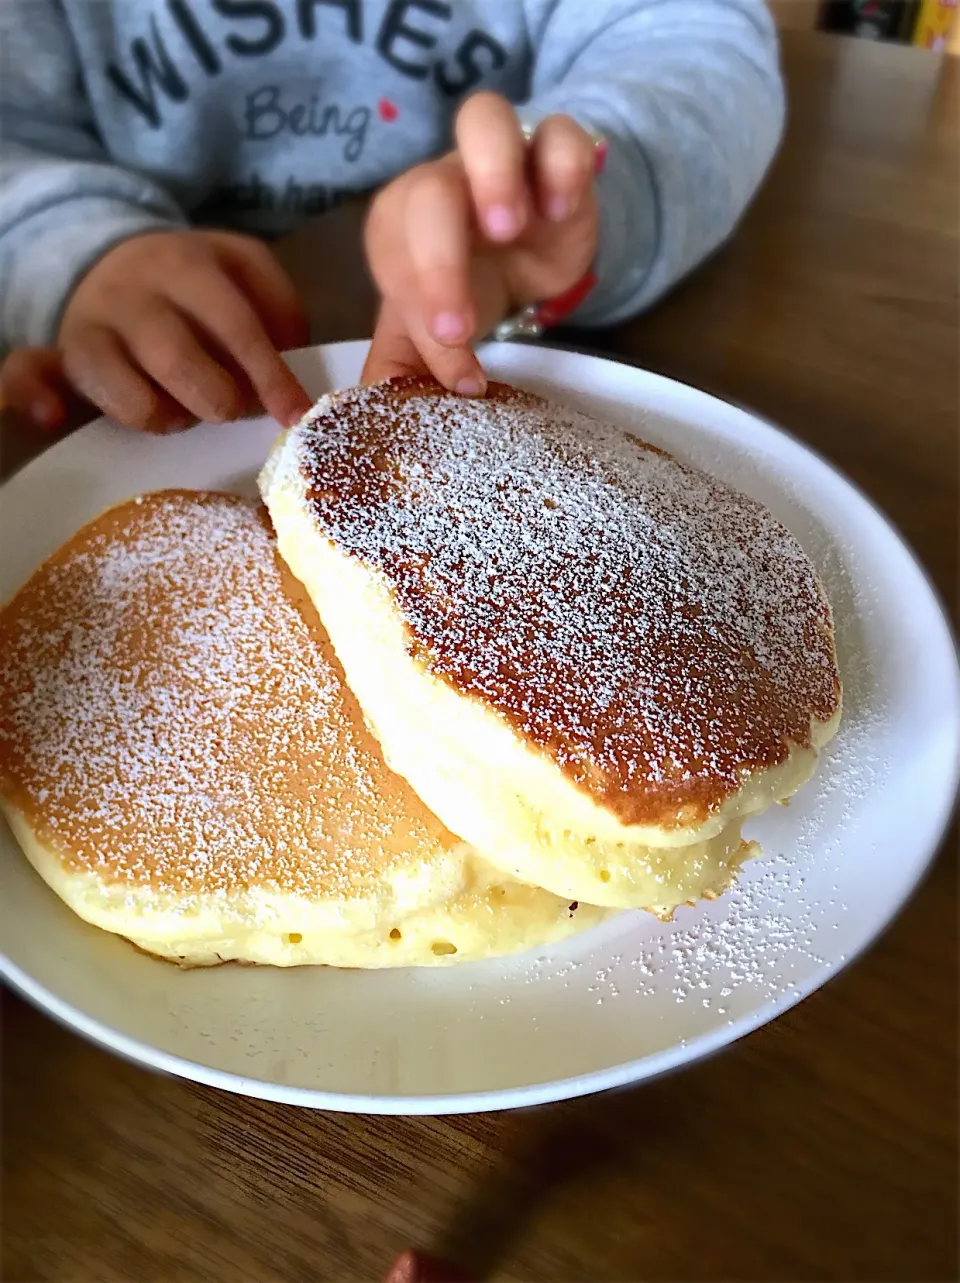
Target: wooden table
x=822 y=1147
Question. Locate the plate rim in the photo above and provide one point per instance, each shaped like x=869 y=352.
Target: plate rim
x=642 y=1069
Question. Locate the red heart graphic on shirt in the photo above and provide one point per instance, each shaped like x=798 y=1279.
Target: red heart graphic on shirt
x=387 y=110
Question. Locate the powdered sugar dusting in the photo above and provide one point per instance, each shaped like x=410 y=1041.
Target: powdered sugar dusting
x=775 y=927
x=654 y=631
x=169 y=717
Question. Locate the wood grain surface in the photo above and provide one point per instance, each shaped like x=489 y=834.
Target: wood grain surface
x=824 y=1146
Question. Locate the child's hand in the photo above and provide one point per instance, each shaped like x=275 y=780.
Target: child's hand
x=34 y=387
x=169 y=327
x=457 y=243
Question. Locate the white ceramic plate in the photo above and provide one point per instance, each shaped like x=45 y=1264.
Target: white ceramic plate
x=617 y=1005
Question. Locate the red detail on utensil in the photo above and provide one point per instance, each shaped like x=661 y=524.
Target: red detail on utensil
x=600 y=149
x=555 y=310
x=388 y=110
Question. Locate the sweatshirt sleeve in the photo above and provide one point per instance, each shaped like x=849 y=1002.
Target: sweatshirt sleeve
x=63 y=204
x=689 y=96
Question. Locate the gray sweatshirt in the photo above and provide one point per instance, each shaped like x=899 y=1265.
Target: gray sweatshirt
x=123 y=116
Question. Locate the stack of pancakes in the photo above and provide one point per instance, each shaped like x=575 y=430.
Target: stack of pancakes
x=512 y=670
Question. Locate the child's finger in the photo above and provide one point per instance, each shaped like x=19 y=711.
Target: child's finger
x=393 y=352
x=456 y=368
x=493 y=152
x=168 y=350
x=218 y=307
x=401 y=346
x=32 y=384
x=563 y=161
x=99 y=365
x=258 y=272
x=436 y=221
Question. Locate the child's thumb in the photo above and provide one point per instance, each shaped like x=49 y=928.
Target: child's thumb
x=394 y=351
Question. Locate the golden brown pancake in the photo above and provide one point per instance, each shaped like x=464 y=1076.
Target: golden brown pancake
x=590 y=660
x=183 y=763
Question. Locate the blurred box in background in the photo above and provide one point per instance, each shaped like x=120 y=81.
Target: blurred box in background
x=936 y=25
x=928 y=24
x=872 y=19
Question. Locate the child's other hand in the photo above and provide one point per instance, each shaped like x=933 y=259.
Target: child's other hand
x=455 y=244
x=34 y=387
x=169 y=327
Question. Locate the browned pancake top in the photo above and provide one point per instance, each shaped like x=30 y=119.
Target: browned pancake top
x=651 y=630
x=172 y=714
